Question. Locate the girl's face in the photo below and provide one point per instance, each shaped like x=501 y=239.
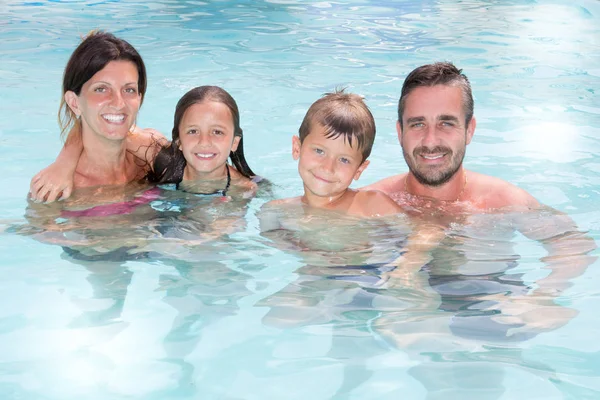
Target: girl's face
x=206 y=137
x=109 y=102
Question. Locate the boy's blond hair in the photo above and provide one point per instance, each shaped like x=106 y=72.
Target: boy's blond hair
x=340 y=114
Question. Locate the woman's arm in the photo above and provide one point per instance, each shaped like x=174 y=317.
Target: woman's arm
x=55 y=182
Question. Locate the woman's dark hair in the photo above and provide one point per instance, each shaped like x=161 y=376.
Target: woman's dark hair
x=170 y=163
x=93 y=54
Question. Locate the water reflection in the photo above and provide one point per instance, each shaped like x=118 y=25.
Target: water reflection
x=472 y=301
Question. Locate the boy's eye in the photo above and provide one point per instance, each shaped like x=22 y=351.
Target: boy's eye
x=344 y=160
x=319 y=151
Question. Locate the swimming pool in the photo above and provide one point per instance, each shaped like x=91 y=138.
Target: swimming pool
x=237 y=318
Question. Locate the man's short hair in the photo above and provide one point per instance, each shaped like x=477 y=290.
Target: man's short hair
x=439 y=73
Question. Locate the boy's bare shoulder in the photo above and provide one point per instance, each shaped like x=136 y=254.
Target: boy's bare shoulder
x=393 y=184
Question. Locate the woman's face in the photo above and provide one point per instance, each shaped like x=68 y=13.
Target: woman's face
x=206 y=135
x=109 y=102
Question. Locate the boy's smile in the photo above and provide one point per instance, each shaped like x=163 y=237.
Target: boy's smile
x=326 y=166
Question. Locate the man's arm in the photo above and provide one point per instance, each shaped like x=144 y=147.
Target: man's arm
x=568 y=257
x=568 y=247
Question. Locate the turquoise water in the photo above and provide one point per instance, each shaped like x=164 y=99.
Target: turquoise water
x=187 y=314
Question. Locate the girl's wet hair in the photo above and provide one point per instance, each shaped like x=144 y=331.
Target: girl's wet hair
x=170 y=163
x=96 y=50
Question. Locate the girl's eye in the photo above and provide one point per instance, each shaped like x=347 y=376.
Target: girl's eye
x=218 y=132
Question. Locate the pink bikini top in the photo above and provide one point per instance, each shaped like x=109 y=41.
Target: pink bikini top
x=120 y=208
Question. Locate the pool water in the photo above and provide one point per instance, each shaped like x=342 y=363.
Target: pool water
x=183 y=298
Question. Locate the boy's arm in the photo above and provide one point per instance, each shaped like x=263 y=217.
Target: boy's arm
x=55 y=182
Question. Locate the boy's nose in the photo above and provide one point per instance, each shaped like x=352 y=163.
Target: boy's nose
x=329 y=164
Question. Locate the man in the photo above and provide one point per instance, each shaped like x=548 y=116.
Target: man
x=476 y=216
x=435 y=125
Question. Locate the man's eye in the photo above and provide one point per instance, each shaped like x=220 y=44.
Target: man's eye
x=417 y=125
x=447 y=123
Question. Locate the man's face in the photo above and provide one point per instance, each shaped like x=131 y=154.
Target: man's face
x=434 y=136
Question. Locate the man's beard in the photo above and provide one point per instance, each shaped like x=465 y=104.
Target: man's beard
x=435 y=176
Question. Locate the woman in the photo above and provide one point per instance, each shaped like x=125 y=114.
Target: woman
x=103 y=88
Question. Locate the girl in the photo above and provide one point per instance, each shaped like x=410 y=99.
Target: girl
x=206 y=131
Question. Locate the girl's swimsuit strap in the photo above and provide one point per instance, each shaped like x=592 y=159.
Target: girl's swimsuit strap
x=223 y=192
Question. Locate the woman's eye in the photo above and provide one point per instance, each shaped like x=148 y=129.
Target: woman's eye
x=131 y=90
x=192 y=131
x=100 y=89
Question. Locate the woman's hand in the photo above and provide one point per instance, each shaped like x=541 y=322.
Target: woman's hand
x=51 y=184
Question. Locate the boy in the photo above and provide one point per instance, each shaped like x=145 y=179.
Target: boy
x=334 y=142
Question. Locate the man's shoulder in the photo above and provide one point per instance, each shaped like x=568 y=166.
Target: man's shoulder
x=497 y=193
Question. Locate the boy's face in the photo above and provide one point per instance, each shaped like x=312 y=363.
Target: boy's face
x=327 y=166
